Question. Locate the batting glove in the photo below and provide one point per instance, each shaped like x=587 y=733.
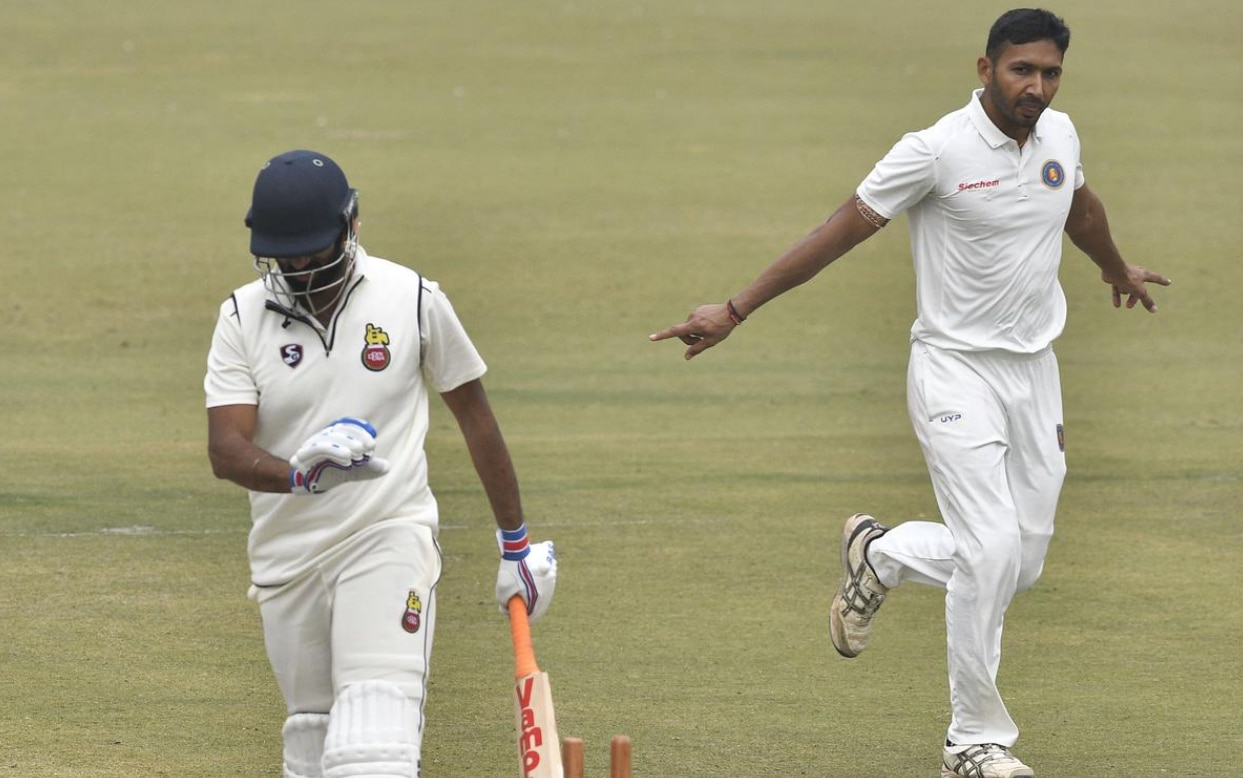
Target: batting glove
x=337 y=454
x=528 y=570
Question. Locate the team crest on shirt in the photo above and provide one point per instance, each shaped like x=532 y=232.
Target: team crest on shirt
x=376 y=355
x=412 y=619
x=1052 y=174
x=291 y=354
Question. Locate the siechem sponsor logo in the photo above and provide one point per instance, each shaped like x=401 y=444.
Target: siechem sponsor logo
x=968 y=186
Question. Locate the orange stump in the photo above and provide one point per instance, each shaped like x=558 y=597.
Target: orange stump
x=619 y=757
x=572 y=757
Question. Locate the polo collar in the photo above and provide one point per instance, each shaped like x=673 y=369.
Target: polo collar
x=993 y=136
x=361 y=262
x=357 y=275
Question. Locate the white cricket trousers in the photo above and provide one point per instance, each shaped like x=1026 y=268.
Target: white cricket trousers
x=365 y=610
x=990 y=425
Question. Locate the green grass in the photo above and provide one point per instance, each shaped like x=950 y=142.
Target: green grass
x=576 y=175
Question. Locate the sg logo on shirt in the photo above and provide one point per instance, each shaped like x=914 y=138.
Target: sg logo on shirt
x=291 y=354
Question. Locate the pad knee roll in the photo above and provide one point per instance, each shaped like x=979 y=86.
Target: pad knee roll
x=373 y=732
x=304 y=735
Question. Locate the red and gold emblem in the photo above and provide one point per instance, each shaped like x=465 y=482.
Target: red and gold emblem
x=376 y=355
x=412 y=619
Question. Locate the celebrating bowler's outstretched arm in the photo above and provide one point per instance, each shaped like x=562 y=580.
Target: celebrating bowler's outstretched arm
x=851 y=224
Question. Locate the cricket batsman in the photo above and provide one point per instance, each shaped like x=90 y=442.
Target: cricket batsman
x=317 y=403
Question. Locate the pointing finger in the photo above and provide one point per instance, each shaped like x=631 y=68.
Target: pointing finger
x=676 y=331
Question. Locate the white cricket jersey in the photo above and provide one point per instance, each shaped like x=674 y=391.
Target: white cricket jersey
x=986 y=220
x=393 y=337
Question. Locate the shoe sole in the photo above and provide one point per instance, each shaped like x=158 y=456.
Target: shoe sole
x=1026 y=772
x=837 y=630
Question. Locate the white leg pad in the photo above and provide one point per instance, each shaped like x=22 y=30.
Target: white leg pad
x=373 y=733
x=304 y=735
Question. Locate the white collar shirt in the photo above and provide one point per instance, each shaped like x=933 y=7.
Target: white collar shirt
x=986 y=222
x=394 y=336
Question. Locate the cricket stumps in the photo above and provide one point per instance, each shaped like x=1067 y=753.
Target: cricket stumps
x=619 y=757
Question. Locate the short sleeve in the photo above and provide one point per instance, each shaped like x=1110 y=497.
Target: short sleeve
x=449 y=357
x=229 y=380
x=1080 y=180
x=901 y=179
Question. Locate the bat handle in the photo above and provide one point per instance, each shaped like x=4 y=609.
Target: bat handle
x=520 y=631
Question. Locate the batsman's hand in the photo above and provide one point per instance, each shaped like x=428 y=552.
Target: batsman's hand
x=337 y=454
x=707 y=326
x=527 y=570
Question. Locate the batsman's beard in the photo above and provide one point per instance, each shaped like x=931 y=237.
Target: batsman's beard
x=307 y=288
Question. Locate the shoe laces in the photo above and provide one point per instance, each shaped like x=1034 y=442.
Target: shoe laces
x=983 y=755
x=860 y=598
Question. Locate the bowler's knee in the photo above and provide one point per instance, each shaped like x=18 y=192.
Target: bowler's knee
x=1029 y=574
x=1034 y=550
x=993 y=558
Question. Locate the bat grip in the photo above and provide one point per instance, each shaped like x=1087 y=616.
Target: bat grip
x=520 y=631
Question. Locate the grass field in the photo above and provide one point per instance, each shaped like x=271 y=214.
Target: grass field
x=578 y=174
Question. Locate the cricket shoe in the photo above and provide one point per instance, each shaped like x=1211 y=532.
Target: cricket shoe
x=983 y=761
x=861 y=593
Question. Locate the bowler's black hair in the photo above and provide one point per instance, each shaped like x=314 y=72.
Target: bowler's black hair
x=1026 y=25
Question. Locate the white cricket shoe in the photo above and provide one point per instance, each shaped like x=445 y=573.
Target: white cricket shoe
x=983 y=761
x=860 y=593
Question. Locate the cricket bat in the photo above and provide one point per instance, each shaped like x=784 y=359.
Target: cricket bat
x=539 y=747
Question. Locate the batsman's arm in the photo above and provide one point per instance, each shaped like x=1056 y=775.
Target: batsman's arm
x=470 y=407
x=233 y=455
x=851 y=224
